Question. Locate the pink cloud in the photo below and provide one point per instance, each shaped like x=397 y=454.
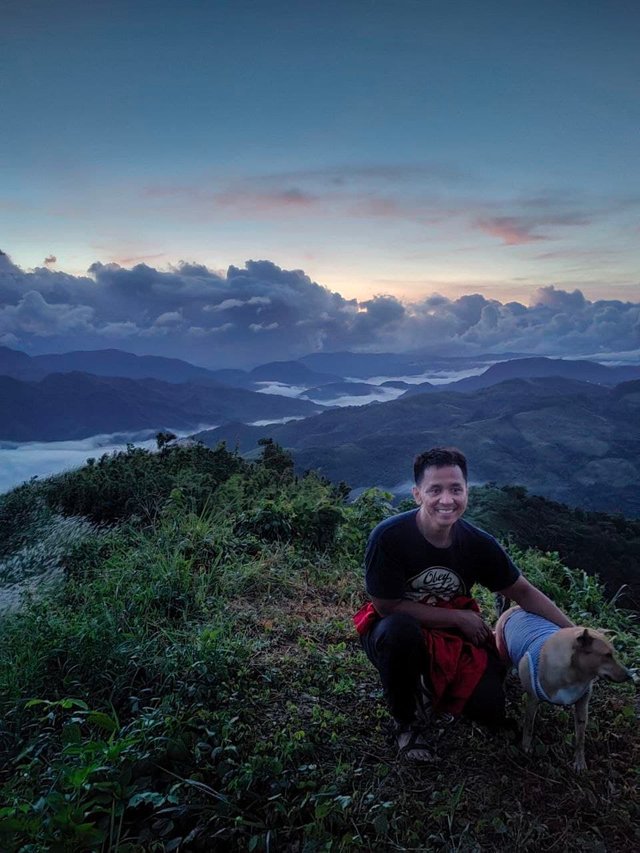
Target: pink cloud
x=138 y=259
x=266 y=201
x=511 y=231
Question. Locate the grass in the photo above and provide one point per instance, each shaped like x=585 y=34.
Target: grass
x=195 y=683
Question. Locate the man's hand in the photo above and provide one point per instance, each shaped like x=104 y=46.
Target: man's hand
x=473 y=626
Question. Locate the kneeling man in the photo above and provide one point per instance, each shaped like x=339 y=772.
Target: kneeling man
x=422 y=630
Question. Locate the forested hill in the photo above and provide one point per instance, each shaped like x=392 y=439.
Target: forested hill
x=599 y=543
x=180 y=672
x=570 y=441
x=65 y=406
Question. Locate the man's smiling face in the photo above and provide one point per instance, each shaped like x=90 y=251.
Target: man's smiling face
x=442 y=497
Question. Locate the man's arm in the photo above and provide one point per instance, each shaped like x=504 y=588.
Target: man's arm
x=531 y=599
x=469 y=623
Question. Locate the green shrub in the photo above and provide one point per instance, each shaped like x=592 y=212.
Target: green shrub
x=198 y=683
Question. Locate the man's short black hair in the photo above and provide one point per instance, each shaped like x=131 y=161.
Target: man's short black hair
x=439 y=457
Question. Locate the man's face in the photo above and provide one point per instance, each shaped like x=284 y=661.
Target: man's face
x=442 y=496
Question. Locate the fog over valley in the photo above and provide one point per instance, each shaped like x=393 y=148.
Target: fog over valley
x=22 y=461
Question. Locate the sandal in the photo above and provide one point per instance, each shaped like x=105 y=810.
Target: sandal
x=414 y=745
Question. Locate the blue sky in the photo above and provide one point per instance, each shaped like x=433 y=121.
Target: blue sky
x=399 y=148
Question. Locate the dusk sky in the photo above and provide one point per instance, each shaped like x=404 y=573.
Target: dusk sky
x=389 y=149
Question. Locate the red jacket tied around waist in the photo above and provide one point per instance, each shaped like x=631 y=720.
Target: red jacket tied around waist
x=455 y=664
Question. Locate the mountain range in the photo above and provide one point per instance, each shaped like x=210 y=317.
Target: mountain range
x=567 y=430
x=77 y=405
x=345 y=372
x=571 y=441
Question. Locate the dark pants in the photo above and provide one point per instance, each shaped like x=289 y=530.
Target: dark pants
x=395 y=646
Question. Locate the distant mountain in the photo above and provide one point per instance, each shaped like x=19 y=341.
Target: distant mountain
x=571 y=441
x=108 y=362
x=113 y=362
x=363 y=365
x=19 y=365
x=76 y=405
x=231 y=376
x=396 y=383
x=291 y=373
x=530 y=368
x=334 y=390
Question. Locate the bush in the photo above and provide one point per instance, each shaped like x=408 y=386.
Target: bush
x=198 y=684
x=137 y=482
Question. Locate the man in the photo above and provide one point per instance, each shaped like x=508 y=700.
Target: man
x=422 y=630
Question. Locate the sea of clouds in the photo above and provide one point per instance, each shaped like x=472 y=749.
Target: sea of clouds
x=22 y=461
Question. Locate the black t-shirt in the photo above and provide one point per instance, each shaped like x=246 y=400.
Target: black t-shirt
x=401 y=563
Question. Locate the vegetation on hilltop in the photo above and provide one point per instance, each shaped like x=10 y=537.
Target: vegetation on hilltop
x=194 y=682
x=600 y=543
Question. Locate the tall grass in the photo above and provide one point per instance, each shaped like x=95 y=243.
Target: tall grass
x=194 y=683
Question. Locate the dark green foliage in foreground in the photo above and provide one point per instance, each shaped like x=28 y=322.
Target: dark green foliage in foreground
x=195 y=683
x=601 y=544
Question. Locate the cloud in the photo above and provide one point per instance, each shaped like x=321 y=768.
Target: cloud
x=32 y=315
x=421 y=194
x=261 y=312
x=50 y=260
x=558 y=300
x=509 y=230
x=287 y=200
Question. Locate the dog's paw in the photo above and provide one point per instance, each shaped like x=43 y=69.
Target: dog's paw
x=579 y=765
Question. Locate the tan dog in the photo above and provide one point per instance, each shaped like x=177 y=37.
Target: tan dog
x=556 y=665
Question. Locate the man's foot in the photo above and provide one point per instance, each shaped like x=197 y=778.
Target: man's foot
x=414 y=745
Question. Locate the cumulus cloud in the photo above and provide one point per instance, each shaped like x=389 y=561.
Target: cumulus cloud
x=33 y=315
x=261 y=312
x=50 y=260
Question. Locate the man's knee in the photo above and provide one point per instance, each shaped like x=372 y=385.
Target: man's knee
x=399 y=630
x=397 y=636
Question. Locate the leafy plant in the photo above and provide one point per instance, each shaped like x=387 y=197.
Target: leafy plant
x=197 y=683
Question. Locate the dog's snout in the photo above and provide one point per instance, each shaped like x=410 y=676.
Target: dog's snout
x=621 y=674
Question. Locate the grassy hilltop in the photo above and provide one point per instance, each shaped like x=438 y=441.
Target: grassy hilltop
x=190 y=680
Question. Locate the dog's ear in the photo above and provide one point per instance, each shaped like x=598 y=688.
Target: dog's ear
x=585 y=639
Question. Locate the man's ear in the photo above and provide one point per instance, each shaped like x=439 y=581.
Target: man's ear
x=415 y=491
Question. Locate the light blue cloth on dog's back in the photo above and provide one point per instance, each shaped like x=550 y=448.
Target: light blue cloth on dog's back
x=525 y=634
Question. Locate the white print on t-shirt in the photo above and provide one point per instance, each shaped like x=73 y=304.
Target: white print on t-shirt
x=433 y=584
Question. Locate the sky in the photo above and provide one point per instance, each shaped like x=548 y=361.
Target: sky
x=358 y=174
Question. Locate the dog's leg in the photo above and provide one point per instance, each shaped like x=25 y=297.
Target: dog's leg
x=531 y=706
x=530 y=711
x=580 y=716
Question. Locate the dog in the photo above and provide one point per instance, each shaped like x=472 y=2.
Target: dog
x=556 y=665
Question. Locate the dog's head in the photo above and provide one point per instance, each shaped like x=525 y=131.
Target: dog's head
x=593 y=655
